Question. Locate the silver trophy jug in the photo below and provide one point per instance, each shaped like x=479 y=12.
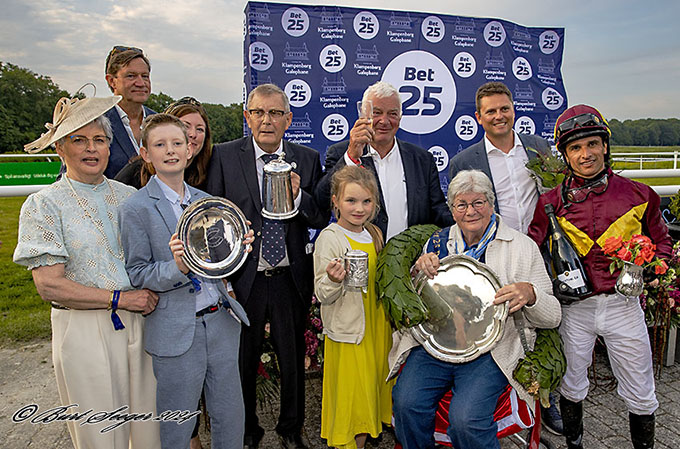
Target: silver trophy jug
x=277 y=190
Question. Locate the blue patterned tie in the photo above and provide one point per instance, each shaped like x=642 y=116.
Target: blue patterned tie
x=273 y=232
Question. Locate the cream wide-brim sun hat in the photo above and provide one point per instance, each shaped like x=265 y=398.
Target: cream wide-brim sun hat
x=71 y=114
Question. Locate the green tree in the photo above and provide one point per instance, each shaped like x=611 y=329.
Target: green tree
x=27 y=102
x=226 y=122
x=670 y=131
x=620 y=133
x=158 y=102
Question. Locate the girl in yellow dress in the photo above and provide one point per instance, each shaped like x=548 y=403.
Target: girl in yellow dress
x=356 y=399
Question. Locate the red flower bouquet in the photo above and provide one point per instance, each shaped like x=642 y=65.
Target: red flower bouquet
x=639 y=250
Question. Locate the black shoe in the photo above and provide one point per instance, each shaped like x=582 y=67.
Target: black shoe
x=292 y=441
x=252 y=441
x=572 y=418
x=552 y=420
x=642 y=430
x=375 y=442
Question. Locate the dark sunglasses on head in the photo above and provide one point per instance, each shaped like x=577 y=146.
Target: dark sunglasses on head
x=120 y=49
x=185 y=100
x=579 y=121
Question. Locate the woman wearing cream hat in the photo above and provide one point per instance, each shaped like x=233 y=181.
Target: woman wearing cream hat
x=69 y=239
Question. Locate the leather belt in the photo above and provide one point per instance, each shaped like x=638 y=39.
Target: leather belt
x=210 y=309
x=58 y=306
x=275 y=271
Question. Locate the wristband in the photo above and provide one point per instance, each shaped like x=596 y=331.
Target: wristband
x=117 y=323
x=356 y=161
x=110 y=302
x=196 y=282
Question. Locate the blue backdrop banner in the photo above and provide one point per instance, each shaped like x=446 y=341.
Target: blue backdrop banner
x=324 y=57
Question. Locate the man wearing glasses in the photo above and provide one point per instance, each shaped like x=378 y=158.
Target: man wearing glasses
x=275 y=284
x=593 y=204
x=128 y=75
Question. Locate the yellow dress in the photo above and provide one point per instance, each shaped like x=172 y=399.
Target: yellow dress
x=356 y=398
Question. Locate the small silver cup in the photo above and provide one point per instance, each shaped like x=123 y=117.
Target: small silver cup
x=356 y=266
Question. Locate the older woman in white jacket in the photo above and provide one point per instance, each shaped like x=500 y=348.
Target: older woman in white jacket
x=475 y=385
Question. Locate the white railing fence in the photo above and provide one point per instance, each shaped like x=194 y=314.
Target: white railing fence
x=643 y=158
x=638 y=158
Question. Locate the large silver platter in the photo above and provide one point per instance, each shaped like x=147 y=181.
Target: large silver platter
x=464 y=323
x=213 y=230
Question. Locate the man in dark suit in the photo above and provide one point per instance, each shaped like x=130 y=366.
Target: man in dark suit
x=127 y=74
x=275 y=284
x=410 y=192
x=502 y=155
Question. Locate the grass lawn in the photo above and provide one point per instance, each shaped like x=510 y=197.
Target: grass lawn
x=23 y=315
x=625 y=149
x=647 y=165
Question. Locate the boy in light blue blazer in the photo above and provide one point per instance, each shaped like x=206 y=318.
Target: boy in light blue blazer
x=193 y=335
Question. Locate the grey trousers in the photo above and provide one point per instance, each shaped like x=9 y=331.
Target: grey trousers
x=211 y=363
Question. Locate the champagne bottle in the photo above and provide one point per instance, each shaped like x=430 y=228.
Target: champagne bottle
x=565 y=263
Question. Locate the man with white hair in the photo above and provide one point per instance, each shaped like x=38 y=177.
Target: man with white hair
x=410 y=192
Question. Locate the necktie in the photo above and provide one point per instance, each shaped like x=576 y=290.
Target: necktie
x=273 y=232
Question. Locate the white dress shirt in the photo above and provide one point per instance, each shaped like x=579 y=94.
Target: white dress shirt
x=209 y=293
x=390 y=172
x=259 y=166
x=515 y=190
x=126 y=123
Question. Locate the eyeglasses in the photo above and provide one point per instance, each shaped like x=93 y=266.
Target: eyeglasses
x=82 y=142
x=580 y=194
x=476 y=205
x=580 y=121
x=120 y=49
x=274 y=114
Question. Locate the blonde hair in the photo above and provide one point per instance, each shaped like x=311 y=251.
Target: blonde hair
x=366 y=180
x=149 y=123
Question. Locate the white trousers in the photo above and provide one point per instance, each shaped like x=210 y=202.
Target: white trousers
x=622 y=325
x=102 y=369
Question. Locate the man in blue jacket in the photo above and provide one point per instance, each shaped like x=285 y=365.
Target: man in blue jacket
x=502 y=155
x=128 y=73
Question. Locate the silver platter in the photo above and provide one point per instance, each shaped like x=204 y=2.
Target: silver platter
x=464 y=323
x=213 y=230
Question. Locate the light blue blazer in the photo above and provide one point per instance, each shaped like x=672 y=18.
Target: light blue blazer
x=147 y=222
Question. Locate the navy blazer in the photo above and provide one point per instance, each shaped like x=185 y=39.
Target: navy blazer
x=232 y=174
x=121 y=149
x=147 y=222
x=424 y=197
x=474 y=157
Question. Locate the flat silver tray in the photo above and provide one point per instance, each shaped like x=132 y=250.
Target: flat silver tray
x=464 y=323
x=213 y=230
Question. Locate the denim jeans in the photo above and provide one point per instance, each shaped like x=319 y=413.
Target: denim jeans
x=475 y=386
